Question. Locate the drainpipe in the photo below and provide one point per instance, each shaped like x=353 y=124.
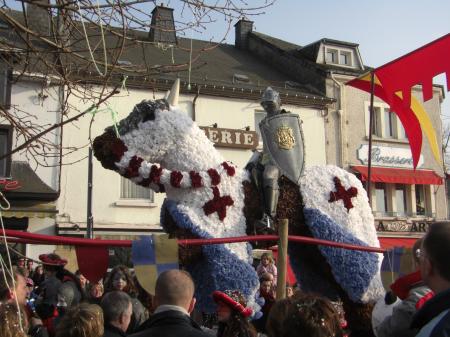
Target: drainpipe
x=341 y=113
x=193 y=103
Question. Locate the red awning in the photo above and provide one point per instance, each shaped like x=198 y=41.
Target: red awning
x=399 y=176
x=388 y=243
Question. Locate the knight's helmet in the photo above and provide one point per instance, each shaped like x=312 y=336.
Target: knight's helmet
x=270 y=101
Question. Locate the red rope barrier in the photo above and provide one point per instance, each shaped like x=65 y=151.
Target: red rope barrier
x=33 y=238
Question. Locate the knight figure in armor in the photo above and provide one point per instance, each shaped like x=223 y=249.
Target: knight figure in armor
x=283 y=154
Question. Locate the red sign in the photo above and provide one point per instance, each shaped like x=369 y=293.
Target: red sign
x=9 y=185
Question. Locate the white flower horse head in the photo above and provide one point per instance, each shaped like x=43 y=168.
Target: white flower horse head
x=160 y=147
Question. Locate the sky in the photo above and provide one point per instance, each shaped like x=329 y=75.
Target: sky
x=384 y=29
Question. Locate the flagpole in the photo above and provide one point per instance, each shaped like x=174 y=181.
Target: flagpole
x=369 y=156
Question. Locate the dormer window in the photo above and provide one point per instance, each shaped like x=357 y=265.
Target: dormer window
x=332 y=55
x=341 y=56
x=345 y=58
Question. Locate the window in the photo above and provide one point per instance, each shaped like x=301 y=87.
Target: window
x=420 y=200
x=381 y=197
x=376 y=122
x=400 y=199
x=345 y=58
x=5 y=147
x=331 y=56
x=389 y=123
x=385 y=123
x=129 y=190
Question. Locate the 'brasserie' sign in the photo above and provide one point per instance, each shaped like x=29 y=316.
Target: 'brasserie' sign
x=235 y=138
x=388 y=156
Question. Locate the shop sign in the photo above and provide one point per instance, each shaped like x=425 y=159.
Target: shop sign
x=388 y=156
x=234 y=138
x=419 y=226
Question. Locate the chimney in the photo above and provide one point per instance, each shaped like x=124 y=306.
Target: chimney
x=163 y=26
x=39 y=18
x=242 y=28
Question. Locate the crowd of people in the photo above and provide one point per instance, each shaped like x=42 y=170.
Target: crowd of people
x=50 y=301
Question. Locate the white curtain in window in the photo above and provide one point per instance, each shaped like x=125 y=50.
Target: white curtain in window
x=129 y=190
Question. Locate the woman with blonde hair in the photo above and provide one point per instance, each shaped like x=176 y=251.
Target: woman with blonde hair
x=11 y=323
x=267 y=265
x=83 y=320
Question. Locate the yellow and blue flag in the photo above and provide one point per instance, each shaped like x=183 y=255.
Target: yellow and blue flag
x=151 y=255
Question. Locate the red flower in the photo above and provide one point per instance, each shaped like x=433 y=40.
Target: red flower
x=343 y=194
x=175 y=178
x=230 y=169
x=118 y=148
x=155 y=174
x=218 y=204
x=133 y=167
x=196 y=179
x=215 y=177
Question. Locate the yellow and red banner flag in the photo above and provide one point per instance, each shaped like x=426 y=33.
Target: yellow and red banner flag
x=393 y=83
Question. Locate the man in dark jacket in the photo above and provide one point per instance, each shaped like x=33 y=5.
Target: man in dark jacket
x=433 y=319
x=174 y=301
x=117 y=311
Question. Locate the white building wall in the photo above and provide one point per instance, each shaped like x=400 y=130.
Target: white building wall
x=27 y=97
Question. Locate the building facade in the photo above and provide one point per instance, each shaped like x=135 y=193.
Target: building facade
x=404 y=201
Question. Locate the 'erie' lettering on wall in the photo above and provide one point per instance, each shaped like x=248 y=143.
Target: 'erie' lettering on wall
x=234 y=138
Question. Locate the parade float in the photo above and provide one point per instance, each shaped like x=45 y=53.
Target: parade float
x=160 y=147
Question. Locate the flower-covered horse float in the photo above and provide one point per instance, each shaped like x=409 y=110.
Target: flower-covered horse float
x=161 y=148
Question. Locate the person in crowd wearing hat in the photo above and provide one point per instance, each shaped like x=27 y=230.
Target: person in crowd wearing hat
x=82 y=320
x=55 y=277
x=174 y=301
x=48 y=290
x=117 y=311
x=233 y=314
x=412 y=292
x=120 y=279
x=433 y=318
x=312 y=316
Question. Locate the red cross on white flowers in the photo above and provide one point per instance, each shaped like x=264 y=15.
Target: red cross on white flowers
x=218 y=204
x=343 y=194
